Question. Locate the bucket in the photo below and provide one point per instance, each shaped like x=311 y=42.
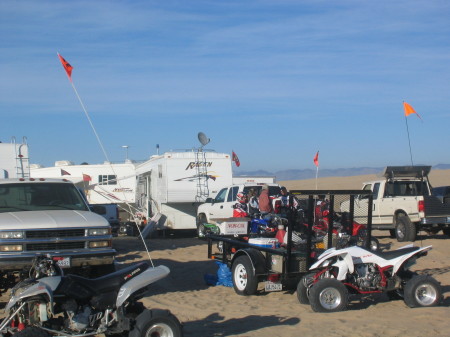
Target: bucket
x=264 y=242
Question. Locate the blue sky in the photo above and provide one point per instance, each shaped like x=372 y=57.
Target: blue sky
x=273 y=80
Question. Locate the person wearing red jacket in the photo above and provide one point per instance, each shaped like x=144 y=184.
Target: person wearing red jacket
x=241 y=208
x=265 y=203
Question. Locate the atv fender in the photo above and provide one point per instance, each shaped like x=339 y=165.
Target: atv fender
x=344 y=262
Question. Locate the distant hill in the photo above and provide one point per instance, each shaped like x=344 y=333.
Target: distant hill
x=295 y=174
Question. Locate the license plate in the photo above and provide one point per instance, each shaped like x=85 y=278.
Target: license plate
x=64 y=262
x=272 y=286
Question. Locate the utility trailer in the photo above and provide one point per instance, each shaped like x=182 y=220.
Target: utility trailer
x=281 y=268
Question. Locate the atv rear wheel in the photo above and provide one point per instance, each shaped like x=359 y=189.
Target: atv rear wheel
x=157 y=323
x=422 y=291
x=302 y=289
x=328 y=295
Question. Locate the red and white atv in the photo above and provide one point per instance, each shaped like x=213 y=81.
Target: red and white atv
x=355 y=270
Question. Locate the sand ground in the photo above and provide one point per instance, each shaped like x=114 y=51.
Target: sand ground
x=211 y=311
x=219 y=311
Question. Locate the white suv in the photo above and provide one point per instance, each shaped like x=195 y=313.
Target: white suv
x=221 y=206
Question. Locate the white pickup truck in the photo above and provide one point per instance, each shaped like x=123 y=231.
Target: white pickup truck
x=403 y=203
x=221 y=206
x=49 y=216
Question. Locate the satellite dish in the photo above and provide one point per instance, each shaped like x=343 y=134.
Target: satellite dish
x=203 y=139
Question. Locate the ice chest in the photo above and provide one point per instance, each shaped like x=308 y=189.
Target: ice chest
x=232 y=226
x=264 y=242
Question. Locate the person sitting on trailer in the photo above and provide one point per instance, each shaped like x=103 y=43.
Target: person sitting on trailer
x=241 y=208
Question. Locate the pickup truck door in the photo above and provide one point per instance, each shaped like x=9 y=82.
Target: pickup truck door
x=216 y=208
x=361 y=204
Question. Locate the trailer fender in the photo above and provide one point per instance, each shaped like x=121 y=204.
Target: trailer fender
x=256 y=257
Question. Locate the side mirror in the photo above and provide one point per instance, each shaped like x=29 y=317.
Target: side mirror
x=209 y=200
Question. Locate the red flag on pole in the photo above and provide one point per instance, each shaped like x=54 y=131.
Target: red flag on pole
x=86 y=177
x=316 y=159
x=66 y=66
x=235 y=158
x=409 y=110
x=64 y=173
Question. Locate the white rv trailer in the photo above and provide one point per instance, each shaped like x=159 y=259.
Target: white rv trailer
x=14 y=161
x=102 y=183
x=174 y=183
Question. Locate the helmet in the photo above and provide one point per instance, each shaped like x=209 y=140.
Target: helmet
x=241 y=197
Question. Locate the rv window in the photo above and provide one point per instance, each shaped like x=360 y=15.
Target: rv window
x=107 y=180
x=220 y=197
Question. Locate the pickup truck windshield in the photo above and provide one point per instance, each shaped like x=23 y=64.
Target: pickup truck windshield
x=16 y=197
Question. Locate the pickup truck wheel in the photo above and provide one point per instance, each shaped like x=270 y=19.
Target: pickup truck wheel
x=201 y=220
x=405 y=230
x=422 y=291
x=244 y=279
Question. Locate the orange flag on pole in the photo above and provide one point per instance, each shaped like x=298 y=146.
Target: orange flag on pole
x=316 y=159
x=66 y=66
x=409 y=110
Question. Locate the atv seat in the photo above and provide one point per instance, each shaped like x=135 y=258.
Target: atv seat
x=396 y=253
x=82 y=287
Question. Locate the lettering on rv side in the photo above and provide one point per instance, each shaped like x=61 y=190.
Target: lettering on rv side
x=193 y=164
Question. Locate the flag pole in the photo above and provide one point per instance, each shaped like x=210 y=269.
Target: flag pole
x=317 y=175
x=409 y=141
x=90 y=121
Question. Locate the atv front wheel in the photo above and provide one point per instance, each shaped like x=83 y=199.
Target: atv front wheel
x=422 y=291
x=157 y=323
x=328 y=295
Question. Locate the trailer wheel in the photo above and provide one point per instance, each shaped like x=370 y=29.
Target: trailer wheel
x=244 y=279
x=422 y=291
x=405 y=230
x=328 y=295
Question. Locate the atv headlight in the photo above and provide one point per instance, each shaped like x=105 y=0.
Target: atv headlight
x=99 y=231
x=11 y=235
